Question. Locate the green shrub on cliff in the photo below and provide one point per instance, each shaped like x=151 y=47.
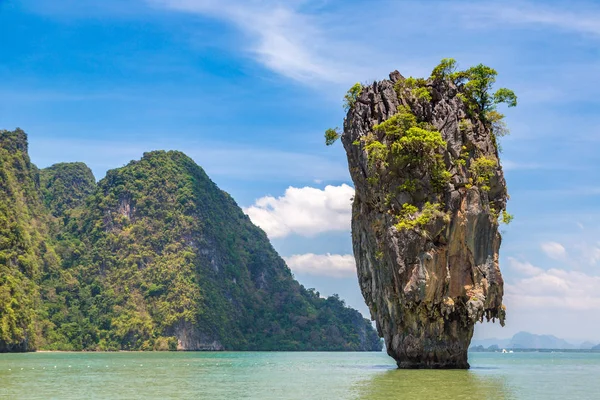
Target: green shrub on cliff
x=482 y=170
x=351 y=96
x=377 y=152
x=476 y=83
x=444 y=69
x=331 y=136
x=506 y=218
x=422 y=147
x=397 y=125
x=422 y=93
x=475 y=91
x=411 y=217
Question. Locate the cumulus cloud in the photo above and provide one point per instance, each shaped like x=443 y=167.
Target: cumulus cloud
x=304 y=211
x=554 y=288
x=333 y=265
x=554 y=250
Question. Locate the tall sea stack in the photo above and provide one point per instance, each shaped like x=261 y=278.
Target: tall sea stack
x=430 y=192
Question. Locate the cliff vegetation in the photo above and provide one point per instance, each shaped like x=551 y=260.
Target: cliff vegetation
x=430 y=193
x=153 y=257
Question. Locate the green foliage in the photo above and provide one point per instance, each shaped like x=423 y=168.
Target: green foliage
x=413 y=145
x=475 y=91
x=65 y=186
x=506 y=217
x=464 y=125
x=156 y=249
x=373 y=180
x=351 y=96
x=506 y=96
x=483 y=169
x=377 y=152
x=419 y=145
x=496 y=120
x=409 y=83
x=331 y=136
x=423 y=147
x=422 y=93
x=444 y=69
x=26 y=252
x=464 y=156
x=477 y=84
x=412 y=84
x=397 y=125
x=410 y=217
x=409 y=185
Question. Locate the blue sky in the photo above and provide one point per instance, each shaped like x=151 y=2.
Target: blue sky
x=247 y=88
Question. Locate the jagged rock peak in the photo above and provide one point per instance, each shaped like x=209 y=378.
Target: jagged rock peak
x=430 y=192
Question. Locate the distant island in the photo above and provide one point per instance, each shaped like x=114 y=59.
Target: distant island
x=153 y=257
x=530 y=341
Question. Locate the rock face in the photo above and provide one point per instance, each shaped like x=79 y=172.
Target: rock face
x=429 y=273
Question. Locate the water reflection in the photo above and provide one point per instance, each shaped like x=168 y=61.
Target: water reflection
x=434 y=384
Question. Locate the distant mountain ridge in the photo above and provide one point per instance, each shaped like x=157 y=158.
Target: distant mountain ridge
x=526 y=340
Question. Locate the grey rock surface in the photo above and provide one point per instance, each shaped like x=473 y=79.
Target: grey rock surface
x=426 y=287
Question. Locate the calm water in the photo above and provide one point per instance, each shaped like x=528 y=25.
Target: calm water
x=293 y=376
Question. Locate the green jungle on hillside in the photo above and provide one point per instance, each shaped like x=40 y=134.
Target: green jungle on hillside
x=153 y=257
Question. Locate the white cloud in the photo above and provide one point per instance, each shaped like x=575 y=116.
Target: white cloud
x=334 y=265
x=304 y=211
x=290 y=42
x=554 y=288
x=524 y=268
x=554 y=250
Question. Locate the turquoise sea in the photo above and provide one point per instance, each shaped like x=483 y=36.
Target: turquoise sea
x=232 y=375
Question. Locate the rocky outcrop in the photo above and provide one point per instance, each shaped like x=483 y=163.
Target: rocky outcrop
x=190 y=339
x=425 y=217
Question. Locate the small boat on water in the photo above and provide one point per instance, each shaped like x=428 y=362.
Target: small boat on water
x=504 y=351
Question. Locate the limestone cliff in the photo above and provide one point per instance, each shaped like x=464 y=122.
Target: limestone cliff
x=429 y=192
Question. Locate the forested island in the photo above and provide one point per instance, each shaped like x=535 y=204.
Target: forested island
x=152 y=257
x=430 y=193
